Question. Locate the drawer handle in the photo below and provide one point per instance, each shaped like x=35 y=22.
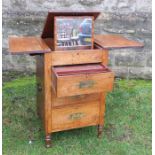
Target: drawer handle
x=78 y=97
x=76 y=116
x=39 y=87
x=86 y=84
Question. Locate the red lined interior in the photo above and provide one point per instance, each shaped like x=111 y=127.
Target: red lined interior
x=80 y=69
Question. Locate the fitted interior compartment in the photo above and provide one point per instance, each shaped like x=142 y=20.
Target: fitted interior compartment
x=50 y=43
x=81 y=69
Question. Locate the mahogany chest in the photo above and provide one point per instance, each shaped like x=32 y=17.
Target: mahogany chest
x=71 y=84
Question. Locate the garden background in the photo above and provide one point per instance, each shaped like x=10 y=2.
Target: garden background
x=131 y=18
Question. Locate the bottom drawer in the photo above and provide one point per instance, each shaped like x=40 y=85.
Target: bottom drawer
x=75 y=116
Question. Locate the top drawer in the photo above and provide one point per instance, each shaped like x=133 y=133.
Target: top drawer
x=81 y=79
x=72 y=57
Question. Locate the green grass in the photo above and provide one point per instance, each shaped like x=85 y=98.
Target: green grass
x=127 y=130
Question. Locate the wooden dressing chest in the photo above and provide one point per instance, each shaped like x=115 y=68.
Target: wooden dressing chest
x=71 y=84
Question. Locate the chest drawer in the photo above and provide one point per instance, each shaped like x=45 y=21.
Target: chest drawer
x=72 y=100
x=77 y=57
x=81 y=79
x=83 y=56
x=79 y=115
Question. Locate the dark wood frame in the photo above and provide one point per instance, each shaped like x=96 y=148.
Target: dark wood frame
x=72 y=47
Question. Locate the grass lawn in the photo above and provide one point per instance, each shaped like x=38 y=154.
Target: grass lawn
x=127 y=131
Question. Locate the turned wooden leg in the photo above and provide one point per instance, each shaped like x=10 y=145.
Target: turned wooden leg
x=38 y=114
x=100 y=129
x=48 y=141
x=101 y=114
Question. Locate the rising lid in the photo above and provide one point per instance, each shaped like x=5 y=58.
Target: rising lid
x=48 y=31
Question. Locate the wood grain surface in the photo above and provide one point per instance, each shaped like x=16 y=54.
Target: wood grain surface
x=70 y=85
x=73 y=100
x=77 y=57
x=75 y=116
x=109 y=41
x=27 y=45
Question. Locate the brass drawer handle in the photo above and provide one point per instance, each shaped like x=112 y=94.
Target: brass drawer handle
x=76 y=116
x=86 y=84
x=78 y=97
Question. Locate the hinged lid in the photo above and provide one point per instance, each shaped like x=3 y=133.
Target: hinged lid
x=48 y=31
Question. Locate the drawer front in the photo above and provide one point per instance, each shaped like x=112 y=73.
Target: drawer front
x=78 y=57
x=72 y=100
x=75 y=116
x=83 y=84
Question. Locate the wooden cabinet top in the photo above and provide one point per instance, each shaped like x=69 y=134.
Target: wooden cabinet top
x=37 y=45
x=45 y=43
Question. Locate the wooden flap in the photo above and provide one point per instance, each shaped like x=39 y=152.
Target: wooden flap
x=27 y=45
x=109 y=41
